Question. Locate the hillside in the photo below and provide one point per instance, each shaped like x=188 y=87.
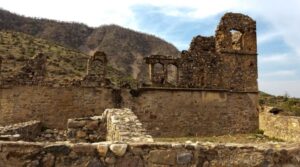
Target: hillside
x=288 y=105
x=63 y=64
x=125 y=48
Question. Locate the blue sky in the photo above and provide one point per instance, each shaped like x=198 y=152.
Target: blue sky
x=177 y=21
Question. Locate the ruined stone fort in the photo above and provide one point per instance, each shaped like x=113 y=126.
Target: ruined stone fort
x=210 y=89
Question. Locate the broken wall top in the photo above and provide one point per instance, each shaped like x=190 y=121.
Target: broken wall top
x=227 y=61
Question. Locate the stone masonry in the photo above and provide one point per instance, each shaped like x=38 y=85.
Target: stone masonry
x=227 y=61
x=113 y=125
x=213 y=90
x=22 y=131
x=278 y=126
x=107 y=154
x=123 y=125
x=89 y=129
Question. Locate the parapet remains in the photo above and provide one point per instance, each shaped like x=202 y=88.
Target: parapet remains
x=210 y=90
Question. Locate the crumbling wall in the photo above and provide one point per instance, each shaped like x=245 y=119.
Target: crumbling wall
x=21 y=131
x=113 y=125
x=227 y=61
x=96 y=71
x=278 y=126
x=104 y=154
x=123 y=125
x=88 y=129
x=33 y=72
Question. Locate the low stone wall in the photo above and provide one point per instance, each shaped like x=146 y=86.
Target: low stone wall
x=114 y=125
x=123 y=125
x=282 y=127
x=15 y=154
x=21 y=131
x=89 y=129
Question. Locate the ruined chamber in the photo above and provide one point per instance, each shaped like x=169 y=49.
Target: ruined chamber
x=211 y=89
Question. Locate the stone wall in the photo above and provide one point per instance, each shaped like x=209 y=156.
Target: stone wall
x=194 y=112
x=15 y=154
x=282 y=127
x=113 y=125
x=226 y=61
x=123 y=125
x=52 y=106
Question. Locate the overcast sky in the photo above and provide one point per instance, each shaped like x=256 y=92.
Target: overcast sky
x=177 y=21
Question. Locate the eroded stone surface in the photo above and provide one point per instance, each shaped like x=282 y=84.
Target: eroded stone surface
x=278 y=126
x=150 y=154
x=226 y=61
x=118 y=149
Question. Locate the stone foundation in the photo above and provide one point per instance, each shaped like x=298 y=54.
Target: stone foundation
x=15 y=154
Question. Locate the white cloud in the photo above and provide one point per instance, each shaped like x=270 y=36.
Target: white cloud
x=281 y=87
x=283 y=15
x=274 y=58
x=267 y=37
x=280 y=73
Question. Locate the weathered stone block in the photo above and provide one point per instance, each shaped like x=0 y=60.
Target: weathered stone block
x=184 y=158
x=118 y=149
x=102 y=149
x=163 y=157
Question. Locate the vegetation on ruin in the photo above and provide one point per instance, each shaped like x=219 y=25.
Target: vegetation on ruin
x=289 y=105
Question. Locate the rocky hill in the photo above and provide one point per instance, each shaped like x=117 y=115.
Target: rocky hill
x=63 y=64
x=125 y=48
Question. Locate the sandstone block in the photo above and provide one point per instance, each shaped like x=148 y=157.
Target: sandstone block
x=86 y=149
x=184 y=158
x=163 y=157
x=92 y=125
x=102 y=149
x=76 y=124
x=81 y=134
x=118 y=149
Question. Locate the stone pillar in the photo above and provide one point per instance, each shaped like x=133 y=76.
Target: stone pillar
x=177 y=76
x=165 y=72
x=151 y=72
x=0 y=65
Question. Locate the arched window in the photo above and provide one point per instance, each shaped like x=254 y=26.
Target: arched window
x=172 y=74
x=236 y=39
x=158 y=68
x=158 y=73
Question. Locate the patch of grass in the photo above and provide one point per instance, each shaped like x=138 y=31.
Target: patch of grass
x=290 y=105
